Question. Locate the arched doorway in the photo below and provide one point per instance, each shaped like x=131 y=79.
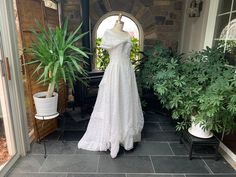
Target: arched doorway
x=107 y=21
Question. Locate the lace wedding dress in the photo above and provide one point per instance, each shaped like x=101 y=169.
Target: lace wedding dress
x=117 y=118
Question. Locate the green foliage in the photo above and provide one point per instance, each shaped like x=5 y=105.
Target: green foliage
x=56 y=55
x=102 y=56
x=151 y=64
x=200 y=85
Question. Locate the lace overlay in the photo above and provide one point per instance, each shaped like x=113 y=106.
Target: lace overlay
x=117 y=117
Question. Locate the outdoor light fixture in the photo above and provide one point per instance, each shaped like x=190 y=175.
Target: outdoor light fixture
x=195 y=8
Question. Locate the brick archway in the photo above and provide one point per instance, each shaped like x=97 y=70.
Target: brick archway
x=160 y=20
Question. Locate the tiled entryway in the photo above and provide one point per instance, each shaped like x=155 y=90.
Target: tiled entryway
x=158 y=155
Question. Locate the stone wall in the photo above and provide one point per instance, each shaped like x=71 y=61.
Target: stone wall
x=161 y=20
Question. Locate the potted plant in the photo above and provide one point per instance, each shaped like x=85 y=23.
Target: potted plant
x=199 y=90
x=56 y=58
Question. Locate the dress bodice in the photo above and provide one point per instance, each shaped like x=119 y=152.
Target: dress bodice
x=118 y=46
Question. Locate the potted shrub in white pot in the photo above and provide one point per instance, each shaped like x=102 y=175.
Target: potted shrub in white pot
x=56 y=58
x=199 y=90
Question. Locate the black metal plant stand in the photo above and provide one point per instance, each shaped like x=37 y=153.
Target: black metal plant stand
x=193 y=142
x=44 y=118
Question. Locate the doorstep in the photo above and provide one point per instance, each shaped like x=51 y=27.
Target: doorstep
x=229 y=156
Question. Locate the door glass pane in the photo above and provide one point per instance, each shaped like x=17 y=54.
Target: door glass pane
x=4 y=153
x=225 y=6
x=7 y=143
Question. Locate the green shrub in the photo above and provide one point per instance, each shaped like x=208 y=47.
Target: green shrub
x=201 y=85
x=102 y=56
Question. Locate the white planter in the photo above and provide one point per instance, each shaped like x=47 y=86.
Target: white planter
x=198 y=131
x=45 y=106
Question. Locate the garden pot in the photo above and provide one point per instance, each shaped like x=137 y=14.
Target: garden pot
x=45 y=106
x=198 y=131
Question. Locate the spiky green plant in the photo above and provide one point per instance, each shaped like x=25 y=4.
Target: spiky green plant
x=57 y=56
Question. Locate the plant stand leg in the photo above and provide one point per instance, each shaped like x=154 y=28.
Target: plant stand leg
x=37 y=130
x=181 y=138
x=216 y=152
x=63 y=127
x=190 y=151
x=44 y=142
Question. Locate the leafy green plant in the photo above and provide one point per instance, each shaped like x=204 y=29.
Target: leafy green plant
x=151 y=64
x=102 y=56
x=201 y=85
x=56 y=55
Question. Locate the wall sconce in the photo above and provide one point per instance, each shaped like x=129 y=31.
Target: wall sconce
x=195 y=8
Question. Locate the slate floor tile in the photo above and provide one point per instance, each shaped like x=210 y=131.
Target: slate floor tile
x=82 y=151
x=150 y=117
x=176 y=164
x=150 y=148
x=219 y=166
x=37 y=175
x=72 y=125
x=179 y=149
x=29 y=163
x=55 y=147
x=167 y=126
x=73 y=135
x=54 y=135
x=154 y=117
x=151 y=127
x=225 y=175
x=96 y=175
x=152 y=175
x=160 y=136
x=125 y=164
x=70 y=163
x=159 y=141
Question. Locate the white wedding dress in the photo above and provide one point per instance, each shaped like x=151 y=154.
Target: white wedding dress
x=117 y=117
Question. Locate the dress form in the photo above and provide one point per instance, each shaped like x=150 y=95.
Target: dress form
x=117 y=117
x=118 y=27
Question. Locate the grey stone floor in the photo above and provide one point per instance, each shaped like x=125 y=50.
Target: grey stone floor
x=158 y=155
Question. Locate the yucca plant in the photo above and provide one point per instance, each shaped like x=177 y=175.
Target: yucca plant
x=57 y=56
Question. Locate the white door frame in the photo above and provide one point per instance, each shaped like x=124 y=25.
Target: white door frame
x=16 y=109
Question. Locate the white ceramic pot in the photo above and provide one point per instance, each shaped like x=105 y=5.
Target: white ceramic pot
x=198 y=131
x=45 y=106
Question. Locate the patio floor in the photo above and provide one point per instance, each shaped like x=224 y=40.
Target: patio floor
x=158 y=155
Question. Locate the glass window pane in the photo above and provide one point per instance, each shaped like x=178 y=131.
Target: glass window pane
x=233 y=16
x=221 y=23
x=225 y=6
x=231 y=51
x=232 y=28
x=234 y=6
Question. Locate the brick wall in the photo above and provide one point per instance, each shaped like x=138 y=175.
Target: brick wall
x=161 y=20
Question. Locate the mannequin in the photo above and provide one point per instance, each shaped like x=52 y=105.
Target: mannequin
x=117 y=117
x=118 y=27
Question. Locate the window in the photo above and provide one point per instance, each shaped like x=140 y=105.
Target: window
x=131 y=25
x=225 y=31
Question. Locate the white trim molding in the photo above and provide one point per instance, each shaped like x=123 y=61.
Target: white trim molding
x=211 y=22
x=229 y=156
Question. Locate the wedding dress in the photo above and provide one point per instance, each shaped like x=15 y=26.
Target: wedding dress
x=117 y=117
